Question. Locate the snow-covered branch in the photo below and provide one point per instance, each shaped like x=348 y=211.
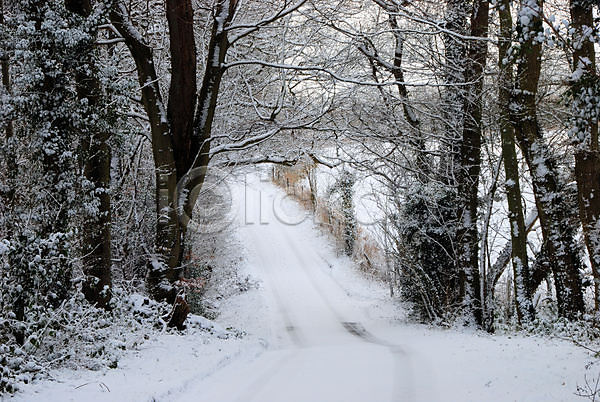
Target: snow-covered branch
x=248 y=28
x=338 y=77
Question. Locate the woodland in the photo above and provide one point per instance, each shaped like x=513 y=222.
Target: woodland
x=474 y=124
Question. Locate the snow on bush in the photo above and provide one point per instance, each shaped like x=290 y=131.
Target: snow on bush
x=4 y=247
x=76 y=335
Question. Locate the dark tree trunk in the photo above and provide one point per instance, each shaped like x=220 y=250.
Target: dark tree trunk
x=97 y=258
x=182 y=91
x=518 y=232
x=553 y=211
x=205 y=109
x=181 y=139
x=7 y=196
x=455 y=58
x=470 y=163
x=585 y=133
x=163 y=267
x=455 y=47
x=182 y=99
x=96 y=169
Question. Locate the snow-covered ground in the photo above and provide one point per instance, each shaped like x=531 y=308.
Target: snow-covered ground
x=317 y=330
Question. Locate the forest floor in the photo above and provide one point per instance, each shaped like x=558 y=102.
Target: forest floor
x=313 y=328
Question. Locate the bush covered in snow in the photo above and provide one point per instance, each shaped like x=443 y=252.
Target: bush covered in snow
x=428 y=276
x=78 y=335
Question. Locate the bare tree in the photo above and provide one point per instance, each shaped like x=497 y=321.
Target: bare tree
x=585 y=130
x=182 y=139
x=553 y=210
x=520 y=262
x=470 y=159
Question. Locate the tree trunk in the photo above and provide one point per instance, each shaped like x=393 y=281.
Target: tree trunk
x=97 y=258
x=585 y=133
x=416 y=139
x=205 y=110
x=96 y=156
x=182 y=97
x=547 y=186
x=163 y=267
x=11 y=165
x=518 y=232
x=180 y=135
x=455 y=47
x=453 y=125
x=182 y=91
x=469 y=160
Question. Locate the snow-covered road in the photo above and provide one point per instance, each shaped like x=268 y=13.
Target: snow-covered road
x=333 y=335
x=319 y=331
x=320 y=345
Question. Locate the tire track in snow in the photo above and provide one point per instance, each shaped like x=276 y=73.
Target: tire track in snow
x=273 y=270
x=292 y=279
x=292 y=330
x=403 y=390
x=262 y=380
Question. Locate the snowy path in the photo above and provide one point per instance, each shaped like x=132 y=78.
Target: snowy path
x=333 y=335
x=321 y=349
x=320 y=332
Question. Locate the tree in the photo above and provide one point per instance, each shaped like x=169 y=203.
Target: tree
x=182 y=131
x=470 y=160
x=455 y=47
x=518 y=233
x=95 y=157
x=344 y=187
x=162 y=263
x=584 y=91
x=43 y=105
x=7 y=194
x=553 y=210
